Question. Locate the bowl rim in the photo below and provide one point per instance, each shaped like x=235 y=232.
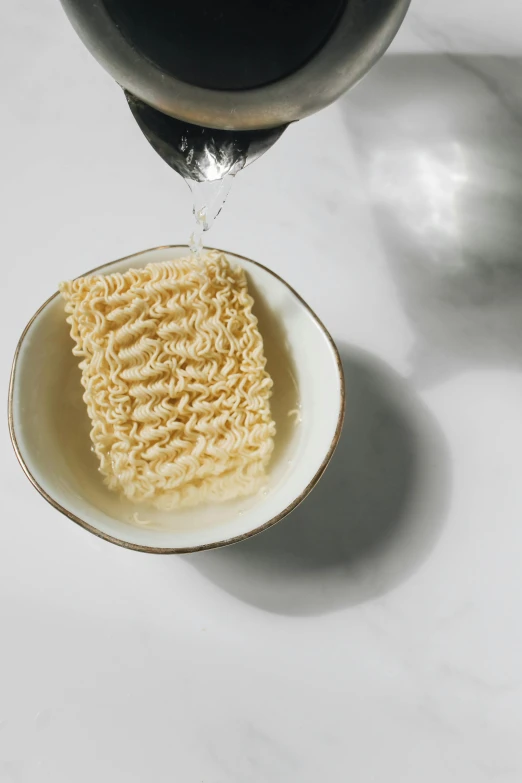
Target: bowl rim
x=177 y=550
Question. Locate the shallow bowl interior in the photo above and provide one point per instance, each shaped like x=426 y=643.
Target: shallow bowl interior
x=50 y=428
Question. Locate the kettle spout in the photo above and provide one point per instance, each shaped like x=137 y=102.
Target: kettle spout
x=196 y=153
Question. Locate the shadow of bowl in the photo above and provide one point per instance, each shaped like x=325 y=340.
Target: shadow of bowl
x=370 y=523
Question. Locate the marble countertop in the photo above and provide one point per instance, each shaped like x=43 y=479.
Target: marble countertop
x=375 y=635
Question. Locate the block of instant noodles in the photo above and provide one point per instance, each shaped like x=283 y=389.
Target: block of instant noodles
x=173 y=368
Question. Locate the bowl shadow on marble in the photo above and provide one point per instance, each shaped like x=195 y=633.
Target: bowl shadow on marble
x=438 y=139
x=371 y=521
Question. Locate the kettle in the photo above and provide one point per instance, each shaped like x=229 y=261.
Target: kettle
x=214 y=83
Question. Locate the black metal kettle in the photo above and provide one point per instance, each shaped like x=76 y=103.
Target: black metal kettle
x=232 y=73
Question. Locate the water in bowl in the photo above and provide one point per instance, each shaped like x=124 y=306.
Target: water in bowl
x=68 y=418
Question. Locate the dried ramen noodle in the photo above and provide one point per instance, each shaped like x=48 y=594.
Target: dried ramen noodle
x=175 y=381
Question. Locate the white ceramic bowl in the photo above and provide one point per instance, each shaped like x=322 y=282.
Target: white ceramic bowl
x=50 y=429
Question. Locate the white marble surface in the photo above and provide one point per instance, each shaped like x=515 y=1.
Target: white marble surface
x=376 y=634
